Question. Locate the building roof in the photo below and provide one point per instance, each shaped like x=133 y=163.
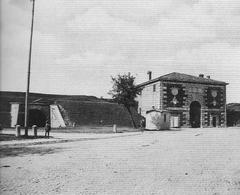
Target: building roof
x=180 y=77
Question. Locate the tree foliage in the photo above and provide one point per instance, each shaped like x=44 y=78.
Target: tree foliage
x=125 y=92
x=156 y=120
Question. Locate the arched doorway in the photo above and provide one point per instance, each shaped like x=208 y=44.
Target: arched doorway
x=37 y=117
x=195 y=114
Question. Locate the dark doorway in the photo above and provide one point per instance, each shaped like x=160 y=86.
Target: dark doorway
x=214 y=121
x=36 y=117
x=195 y=114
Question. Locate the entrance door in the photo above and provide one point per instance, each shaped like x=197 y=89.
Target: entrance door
x=174 y=121
x=195 y=114
x=214 y=121
x=36 y=117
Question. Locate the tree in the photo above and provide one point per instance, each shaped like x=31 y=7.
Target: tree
x=124 y=92
x=156 y=120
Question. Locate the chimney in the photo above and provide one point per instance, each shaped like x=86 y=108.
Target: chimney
x=201 y=75
x=149 y=75
x=208 y=77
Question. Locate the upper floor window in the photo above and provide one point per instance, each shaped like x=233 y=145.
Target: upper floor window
x=154 y=88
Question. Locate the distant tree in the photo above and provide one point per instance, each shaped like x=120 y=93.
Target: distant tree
x=124 y=92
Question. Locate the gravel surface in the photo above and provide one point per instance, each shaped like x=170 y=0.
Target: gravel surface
x=189 y=161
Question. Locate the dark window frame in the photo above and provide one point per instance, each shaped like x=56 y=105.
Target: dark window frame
x=154 y=87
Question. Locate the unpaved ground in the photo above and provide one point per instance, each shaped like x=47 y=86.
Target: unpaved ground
x=190 y=161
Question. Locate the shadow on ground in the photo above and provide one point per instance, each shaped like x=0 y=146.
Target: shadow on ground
x=94 y=129
x=22 y=151
x=164 y=130
x=10 y=137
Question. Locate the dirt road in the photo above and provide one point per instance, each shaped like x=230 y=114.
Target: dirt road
x=190 y=161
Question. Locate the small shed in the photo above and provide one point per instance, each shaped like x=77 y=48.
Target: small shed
x=157 y=120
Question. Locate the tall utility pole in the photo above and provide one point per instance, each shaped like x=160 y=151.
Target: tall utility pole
x=28 y=74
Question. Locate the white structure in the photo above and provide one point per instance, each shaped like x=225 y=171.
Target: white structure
x=156 y=120
x=56 y=117
x=14 y=114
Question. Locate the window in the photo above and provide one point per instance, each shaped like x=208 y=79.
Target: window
x=154 y=88
x=165 y=117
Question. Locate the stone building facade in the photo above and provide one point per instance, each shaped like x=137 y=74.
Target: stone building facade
x=191 y=101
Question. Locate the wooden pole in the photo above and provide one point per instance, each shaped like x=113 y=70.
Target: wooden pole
x=28 y=74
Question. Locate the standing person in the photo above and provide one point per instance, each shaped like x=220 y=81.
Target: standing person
x=47 y=129
x=142 y=124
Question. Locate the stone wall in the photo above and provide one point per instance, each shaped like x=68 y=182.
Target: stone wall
x=197 y=92
x=44 y=109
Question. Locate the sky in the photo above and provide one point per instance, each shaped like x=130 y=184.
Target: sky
x=79 y=45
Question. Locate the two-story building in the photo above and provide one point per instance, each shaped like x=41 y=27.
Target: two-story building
x=189 y=101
